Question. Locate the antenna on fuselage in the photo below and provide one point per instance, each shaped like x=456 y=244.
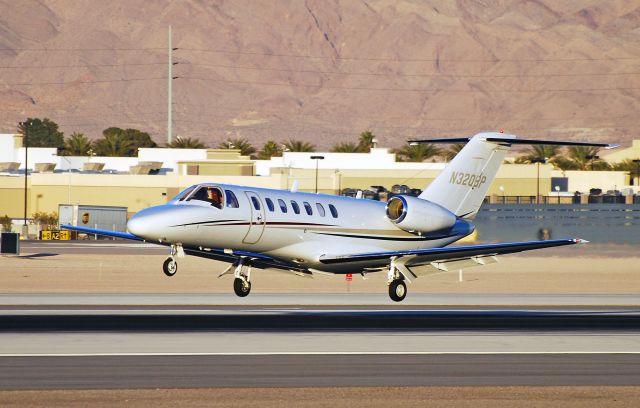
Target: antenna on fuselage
x=294 y=186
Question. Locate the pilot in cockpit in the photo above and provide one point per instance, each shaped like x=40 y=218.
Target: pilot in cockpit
x=214 y=197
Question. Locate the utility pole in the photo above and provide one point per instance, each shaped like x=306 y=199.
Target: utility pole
x=170 y=80
x=25 y=143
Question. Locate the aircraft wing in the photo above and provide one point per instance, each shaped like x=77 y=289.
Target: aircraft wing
x=106 y=233
x=421 y=256
x=258 y=260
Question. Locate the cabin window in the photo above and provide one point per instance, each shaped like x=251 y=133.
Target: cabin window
x=269 y=204
x=295 y=206
x=320 y=209
x=307 y=208
x=256 y=203
x=283 y=206
x=182 y=195
x=334 y=212
x=232 y=200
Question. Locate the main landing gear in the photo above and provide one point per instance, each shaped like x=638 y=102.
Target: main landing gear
x=242 y=281
x=397 y=287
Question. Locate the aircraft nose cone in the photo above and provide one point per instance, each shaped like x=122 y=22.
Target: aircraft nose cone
x=138 y=224
x=148 y=223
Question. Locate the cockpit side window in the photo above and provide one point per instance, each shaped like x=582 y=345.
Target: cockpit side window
x=212 y=195
x=232 y=201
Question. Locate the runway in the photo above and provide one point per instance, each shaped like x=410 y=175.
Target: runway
x=83 y=347
x=56 y=340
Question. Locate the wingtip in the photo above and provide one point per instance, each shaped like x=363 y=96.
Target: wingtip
x=580 y=241
x=612 y=146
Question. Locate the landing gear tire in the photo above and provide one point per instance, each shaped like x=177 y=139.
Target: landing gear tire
x=241 y=287
x=170 y=266
x=397 y=290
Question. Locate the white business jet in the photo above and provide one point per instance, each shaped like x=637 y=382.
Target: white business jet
x=305 y=233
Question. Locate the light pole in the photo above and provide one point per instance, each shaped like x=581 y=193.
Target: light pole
x=501 y=188
x=317 y=159
x=538 y=161
x=557 y=188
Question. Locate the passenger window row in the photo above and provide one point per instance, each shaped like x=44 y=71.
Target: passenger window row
x=296 y=207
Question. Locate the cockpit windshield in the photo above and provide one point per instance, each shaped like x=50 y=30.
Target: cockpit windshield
x=209 y=194
x=183 y=194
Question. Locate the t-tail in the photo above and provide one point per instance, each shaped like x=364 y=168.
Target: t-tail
x=464 y=182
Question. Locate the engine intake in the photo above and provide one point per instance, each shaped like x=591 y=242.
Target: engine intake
x=416 y=215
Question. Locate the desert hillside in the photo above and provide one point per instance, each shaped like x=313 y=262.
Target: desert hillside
x=325 y=70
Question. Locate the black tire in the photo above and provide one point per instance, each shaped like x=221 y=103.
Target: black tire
x=170 y=267
x=397 y=290
x=241 y=287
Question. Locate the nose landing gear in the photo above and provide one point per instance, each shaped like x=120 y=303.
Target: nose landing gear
x=170 y=265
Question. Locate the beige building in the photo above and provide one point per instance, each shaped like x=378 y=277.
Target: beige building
x=131 y=189
x=46 y=190
x=618 y=155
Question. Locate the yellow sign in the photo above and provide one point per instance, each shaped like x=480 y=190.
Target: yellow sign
x=55 y=235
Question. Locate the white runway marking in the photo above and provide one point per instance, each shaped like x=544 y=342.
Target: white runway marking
x=320 y=353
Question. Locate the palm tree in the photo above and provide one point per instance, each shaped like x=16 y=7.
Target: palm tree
x=416 y=153
x=452 y=151
x=366 y=141
x=298 y=146
x=246 y=149
x=270 y=149
x=582 y=158
x=113 y=145
x=77 y=144
x=539 y=154
x=346 y=147
x=186 y=143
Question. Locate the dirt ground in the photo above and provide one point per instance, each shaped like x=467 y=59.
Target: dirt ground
x=473 y=397
x=90 y=273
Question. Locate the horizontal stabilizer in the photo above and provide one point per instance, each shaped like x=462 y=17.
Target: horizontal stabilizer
x=510 y=141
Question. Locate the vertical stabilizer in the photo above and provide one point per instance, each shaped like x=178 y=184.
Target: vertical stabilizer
x=463 y=184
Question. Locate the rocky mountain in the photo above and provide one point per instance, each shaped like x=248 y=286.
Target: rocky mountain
x=325 y=70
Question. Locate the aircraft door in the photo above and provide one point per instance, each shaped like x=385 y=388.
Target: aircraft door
x=257 y=221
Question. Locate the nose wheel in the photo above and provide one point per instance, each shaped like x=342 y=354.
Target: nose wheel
x=170 y=266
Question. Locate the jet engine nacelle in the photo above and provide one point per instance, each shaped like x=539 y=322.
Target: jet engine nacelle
x=416 y=215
